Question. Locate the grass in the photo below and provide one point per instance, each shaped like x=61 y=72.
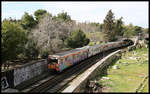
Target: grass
x=146 y=88
x=128 y=77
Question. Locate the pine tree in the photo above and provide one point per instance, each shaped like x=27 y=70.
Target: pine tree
x=119 y=27
x=108 y=27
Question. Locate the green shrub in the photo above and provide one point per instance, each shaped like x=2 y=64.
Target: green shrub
x=76 y=39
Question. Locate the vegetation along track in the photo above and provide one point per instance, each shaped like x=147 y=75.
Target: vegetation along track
x=48 y=86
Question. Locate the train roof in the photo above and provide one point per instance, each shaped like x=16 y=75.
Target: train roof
x=85 y=47
x=104 y=43
x=61 y=54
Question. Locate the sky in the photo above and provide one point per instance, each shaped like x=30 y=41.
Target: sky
x=132 y=12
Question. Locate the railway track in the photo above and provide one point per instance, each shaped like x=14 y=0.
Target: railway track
x=37 y=83
x=61 y=86
x=56 y=83
x=57 y=79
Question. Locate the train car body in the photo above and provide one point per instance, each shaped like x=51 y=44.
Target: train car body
x=61 y=61
x=93 y=50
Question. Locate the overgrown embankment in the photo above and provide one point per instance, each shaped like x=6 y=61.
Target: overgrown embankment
x=127 y=74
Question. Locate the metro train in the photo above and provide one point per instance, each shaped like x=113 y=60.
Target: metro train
x=61 y=61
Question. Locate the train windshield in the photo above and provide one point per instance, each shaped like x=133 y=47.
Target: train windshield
x=52 y=60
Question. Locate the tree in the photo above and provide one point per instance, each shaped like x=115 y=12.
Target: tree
x=89 y=27
x=128 y=30
x=119 y=27
x=62 y=16
x=137 y=30
x=108 y=26
x=146 y=30
x=50 y=34
x=31 y=50
x=13 y=39
x=27 y=21
x=40 y=14
x=94 y=24
x=101 y=27
x=76 y=39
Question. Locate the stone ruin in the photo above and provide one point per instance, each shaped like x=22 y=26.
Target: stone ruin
x=93 y=87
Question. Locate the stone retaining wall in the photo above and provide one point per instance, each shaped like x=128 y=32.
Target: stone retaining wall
x=20 y=74
x=7 y=78
x=80 y=82
x=29 y=71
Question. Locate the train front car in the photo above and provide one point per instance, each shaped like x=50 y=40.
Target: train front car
x=53 y=63
x=63 y=60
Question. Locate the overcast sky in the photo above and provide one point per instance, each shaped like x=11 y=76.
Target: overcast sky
x=132 y=12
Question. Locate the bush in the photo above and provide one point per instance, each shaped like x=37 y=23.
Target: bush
x=77 y=39
x=31 y=51
x=13 y=40
x=44 y=54
x=91 y=43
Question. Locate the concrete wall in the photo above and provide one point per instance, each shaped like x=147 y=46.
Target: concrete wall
x=20 y=74
x=80 y=82
x=7 y=78
x=29 y=71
